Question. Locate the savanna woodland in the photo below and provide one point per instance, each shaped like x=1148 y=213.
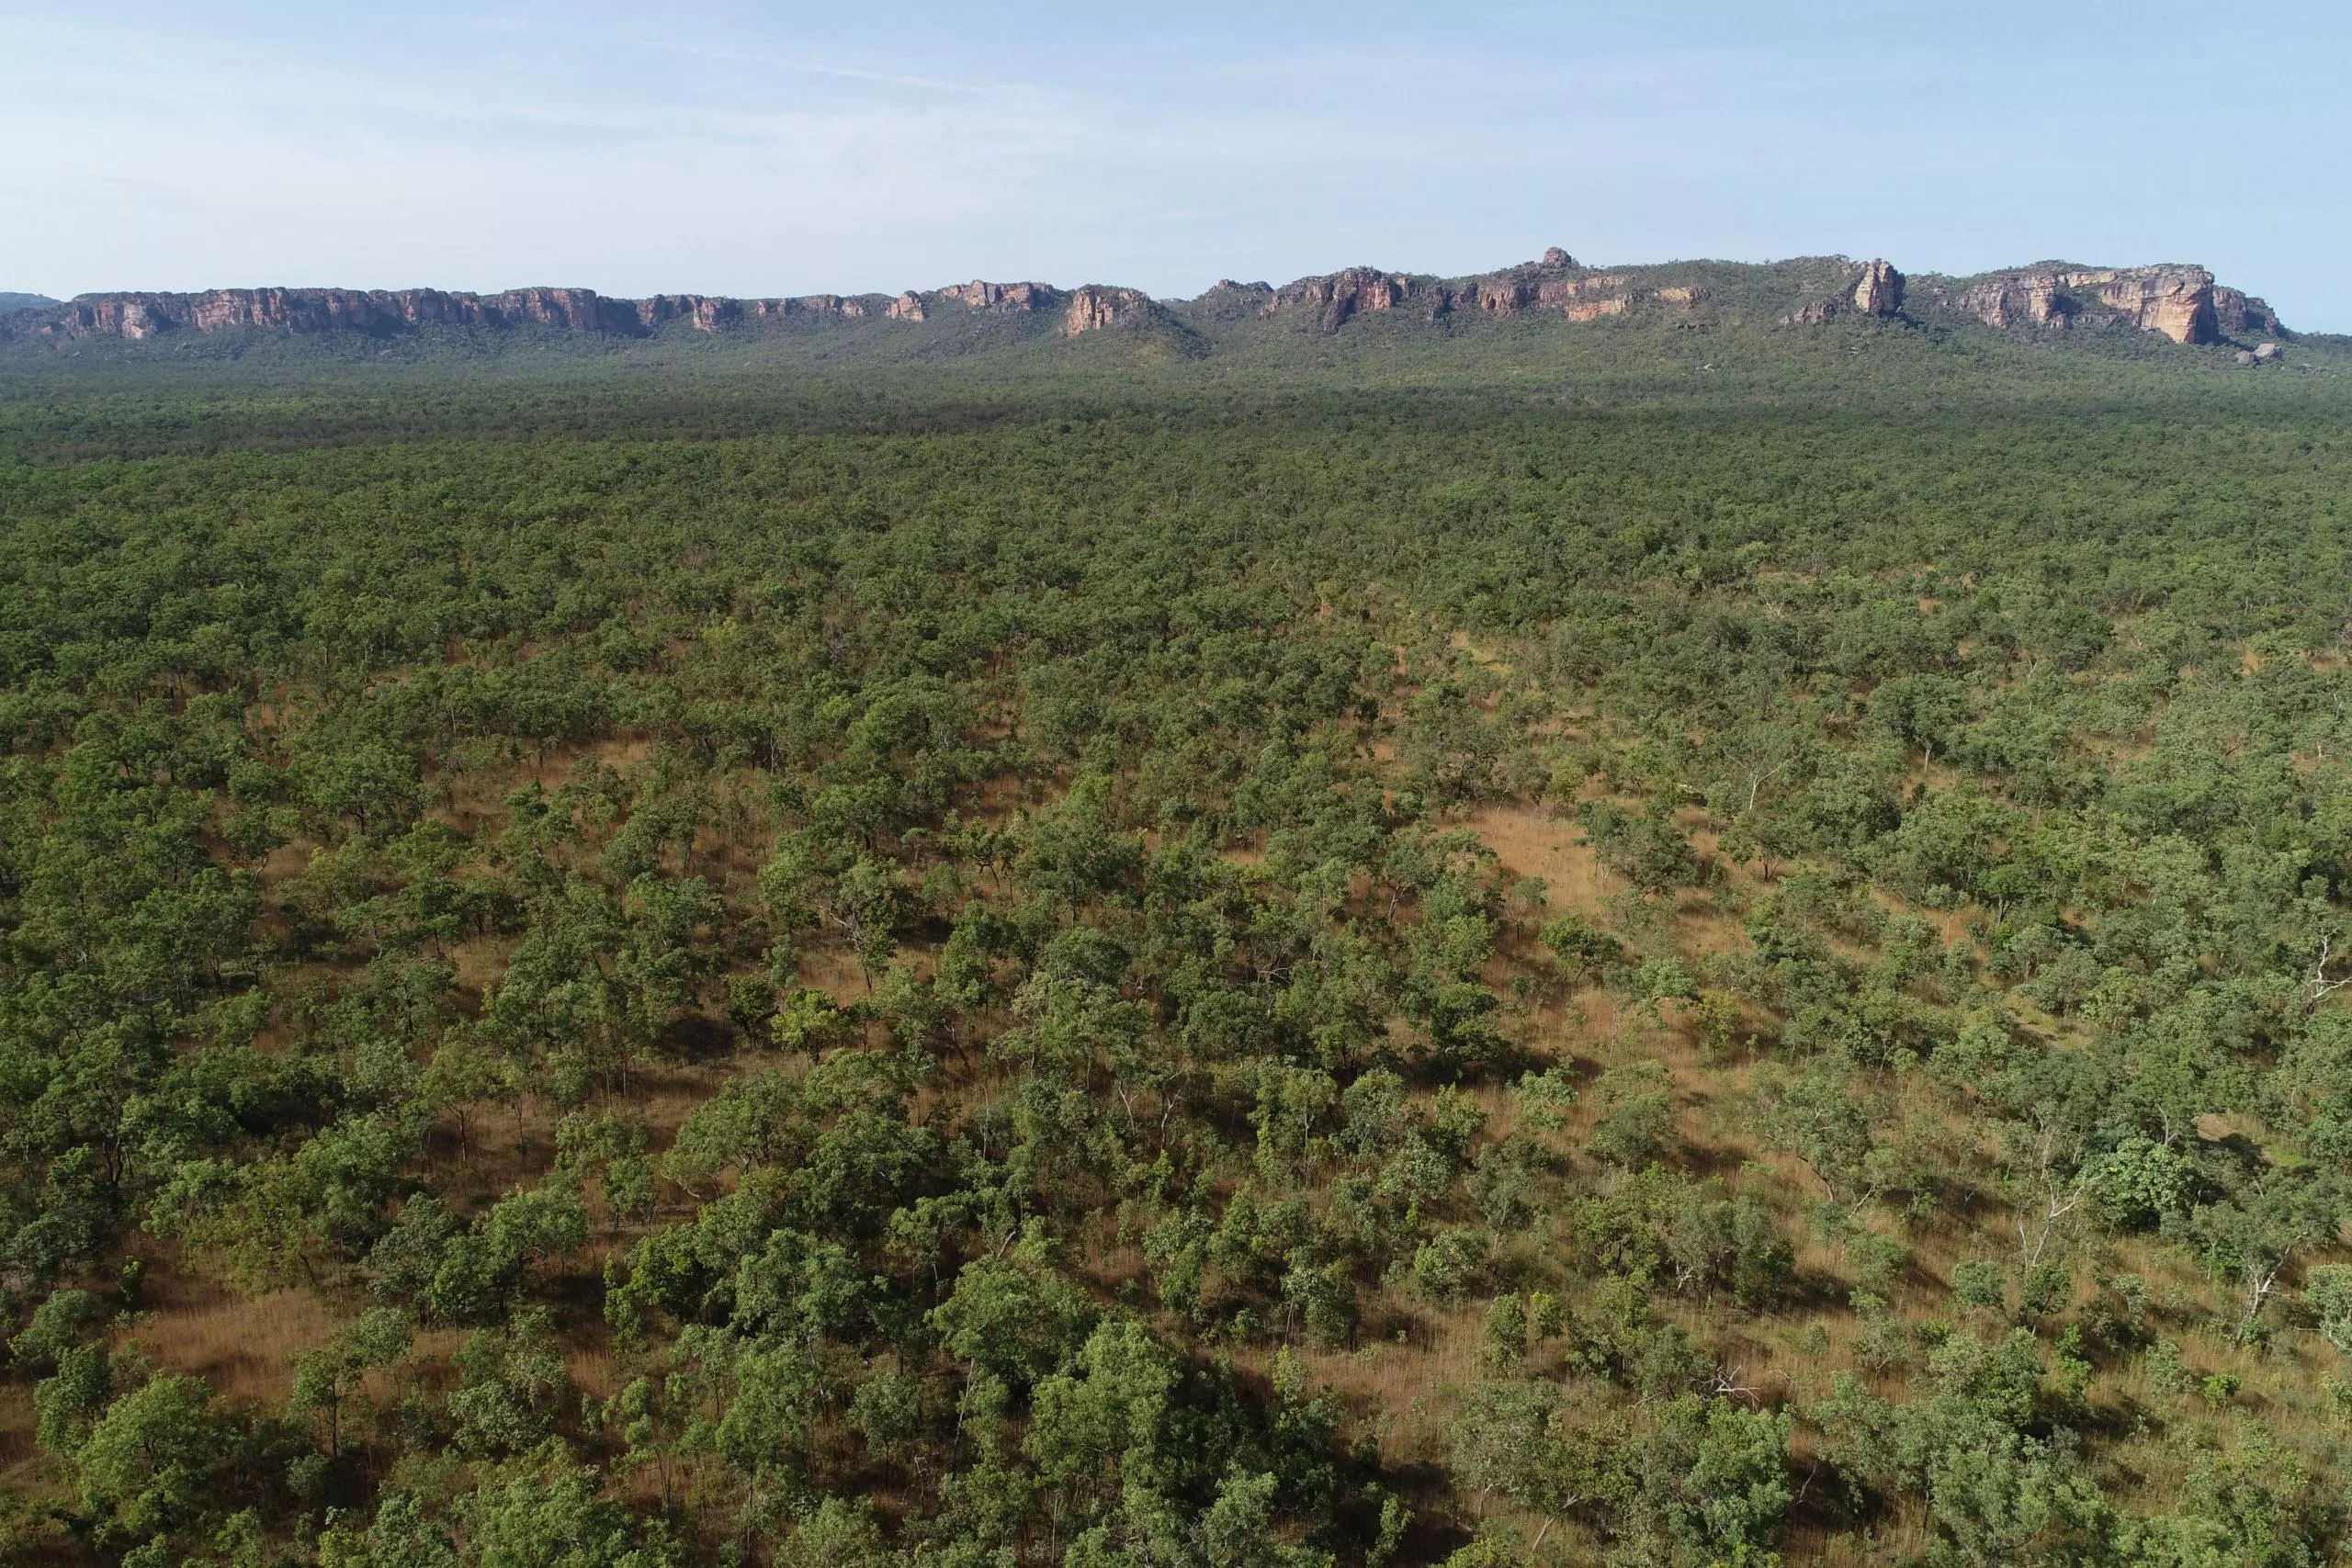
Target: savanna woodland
x=1671 y=942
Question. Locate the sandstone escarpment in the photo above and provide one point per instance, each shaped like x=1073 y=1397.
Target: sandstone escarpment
x=1878 y=291
x=1875 y=290
x=848 y=306
x=1500 y=296
x=980 y=295
x=316 y=311
x=1333 y=301
x=1560 y=283
x=2239 y=315
x=1556 y=283
x=1593 y=310
x=2183 y=303
x=333 y=309
x=1525 y=287
x=2176 y=301
x=1094 y=307
x=2015 y=300
x=1229 y=302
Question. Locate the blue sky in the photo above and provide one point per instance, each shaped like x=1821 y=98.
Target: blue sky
x=789 y=149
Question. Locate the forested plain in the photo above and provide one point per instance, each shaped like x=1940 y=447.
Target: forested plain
x=1542 y=946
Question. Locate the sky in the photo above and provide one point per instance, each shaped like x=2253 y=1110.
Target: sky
x=761 y=149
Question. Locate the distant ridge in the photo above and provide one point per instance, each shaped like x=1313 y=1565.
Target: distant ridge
x=10 y=303
x=2181 y=302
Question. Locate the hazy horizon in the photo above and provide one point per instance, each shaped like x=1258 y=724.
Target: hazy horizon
x=762 y=151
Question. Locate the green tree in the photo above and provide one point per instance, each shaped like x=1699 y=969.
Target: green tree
x=150 y=1467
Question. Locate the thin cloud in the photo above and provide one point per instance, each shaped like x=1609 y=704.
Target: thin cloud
x=817 y=68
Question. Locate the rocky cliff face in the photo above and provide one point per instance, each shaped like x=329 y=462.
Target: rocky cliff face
x=979 y=295
x=1555 y=280
x=1094 y=307
x=1331 y=301
x=1878 y=291
x=311 y=310
x=1560 y=283
x=2184 y=304
x=2239 y=315
x=1556 y=283
x=333 y=309
x=1875 y=290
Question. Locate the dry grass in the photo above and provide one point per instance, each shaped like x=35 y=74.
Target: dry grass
x=836 y=974
x=245 y=1347
x=479 y=961
x=1533 y=840
x=1529 y=842
x=25 y=1470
